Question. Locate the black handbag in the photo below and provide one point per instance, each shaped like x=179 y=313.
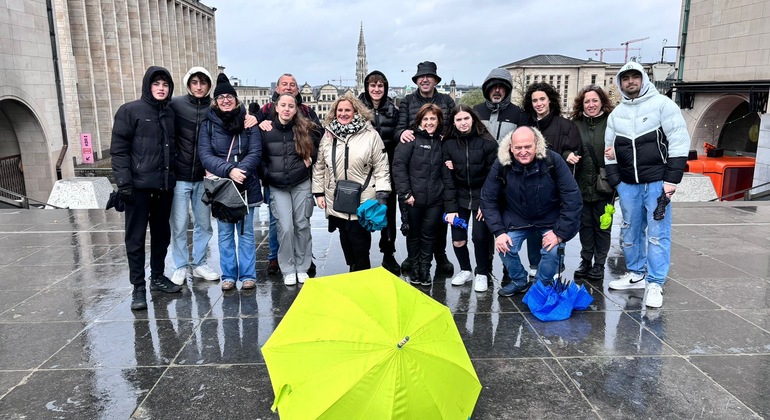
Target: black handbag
x=602 y=185
x=347 y=193
x=228 y=202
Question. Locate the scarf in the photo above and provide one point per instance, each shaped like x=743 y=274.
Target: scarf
x=342 y=130
x=232 y=121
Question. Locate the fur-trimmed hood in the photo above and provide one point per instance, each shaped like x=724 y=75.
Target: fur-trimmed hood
x=504 y=154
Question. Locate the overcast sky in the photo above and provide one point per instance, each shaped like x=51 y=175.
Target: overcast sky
x=316 y=40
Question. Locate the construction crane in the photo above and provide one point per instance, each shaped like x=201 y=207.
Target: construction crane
x=631 y=41
x=602 y=50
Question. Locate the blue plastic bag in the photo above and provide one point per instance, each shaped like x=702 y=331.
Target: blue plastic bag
x=555 y=302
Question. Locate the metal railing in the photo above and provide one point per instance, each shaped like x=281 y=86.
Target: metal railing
x=11 y=176
x=747 y=194
x=22 y=201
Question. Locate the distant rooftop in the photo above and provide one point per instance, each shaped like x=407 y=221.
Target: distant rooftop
x=550 y=60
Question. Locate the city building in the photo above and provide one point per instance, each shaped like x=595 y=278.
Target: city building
x=65 y=68
x=723 y=78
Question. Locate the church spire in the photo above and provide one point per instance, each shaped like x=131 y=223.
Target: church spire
x=361 y=65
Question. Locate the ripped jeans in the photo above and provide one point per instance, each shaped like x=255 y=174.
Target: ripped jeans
x=646 y=242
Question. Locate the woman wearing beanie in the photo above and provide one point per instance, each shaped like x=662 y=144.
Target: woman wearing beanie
x=351 y=149
x=228 y=150
x=289 y=150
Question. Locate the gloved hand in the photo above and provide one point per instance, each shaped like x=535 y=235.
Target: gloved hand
x=382 y=197
x=660 y=210
x=127 y=194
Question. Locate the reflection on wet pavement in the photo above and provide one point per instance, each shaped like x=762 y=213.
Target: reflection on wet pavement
x=70 y=347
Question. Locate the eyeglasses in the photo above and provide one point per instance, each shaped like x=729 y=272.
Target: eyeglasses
x=223 y=98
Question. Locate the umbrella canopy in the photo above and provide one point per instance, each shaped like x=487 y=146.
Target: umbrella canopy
x=555 y=302
x=371 y=215
x=366 y=345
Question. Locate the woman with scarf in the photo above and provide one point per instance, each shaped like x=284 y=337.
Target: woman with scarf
x=290 y=148
x=468 y=153
x=543 y=106
x=351 y=149
x=589 y=112
x=417 y=175
x=228 y=150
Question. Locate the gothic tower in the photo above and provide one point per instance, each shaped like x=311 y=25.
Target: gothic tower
x=361 y=66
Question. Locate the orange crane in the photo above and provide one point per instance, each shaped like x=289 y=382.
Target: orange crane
x=602 y=50
x=631 y=41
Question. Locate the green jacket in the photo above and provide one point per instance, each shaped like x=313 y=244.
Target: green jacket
x=591 y=132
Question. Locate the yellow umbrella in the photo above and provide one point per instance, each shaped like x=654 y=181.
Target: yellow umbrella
x=367 y=345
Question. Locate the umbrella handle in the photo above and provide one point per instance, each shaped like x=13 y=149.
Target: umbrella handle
x=403 y=342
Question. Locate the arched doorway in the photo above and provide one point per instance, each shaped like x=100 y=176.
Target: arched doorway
x=728 y=124
x=21 y=137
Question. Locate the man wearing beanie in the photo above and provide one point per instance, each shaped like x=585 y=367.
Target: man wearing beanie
x=426 y=79
x=650 y=141
x=497 y=112
x=143 y=158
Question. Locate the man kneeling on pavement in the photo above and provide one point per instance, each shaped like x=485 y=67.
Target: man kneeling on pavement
x=530 y=189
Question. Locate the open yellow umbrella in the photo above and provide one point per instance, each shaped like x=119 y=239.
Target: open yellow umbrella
x=367 y=345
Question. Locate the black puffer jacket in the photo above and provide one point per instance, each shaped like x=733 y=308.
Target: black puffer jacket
x=142 y=147
x=407 y=110
x=417 y=169
x=472 y=156
x=282 y=166
x=190 y=113
x=560 y=133
x=385 y=116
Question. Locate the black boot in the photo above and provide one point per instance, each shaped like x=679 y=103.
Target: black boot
x=425 y=279
x=407 y=265
x=311 y=271
x=596 y=273
x=163 y=284
x=583 y=269
x=139 y=299
x=443 y=264
x=389 y=263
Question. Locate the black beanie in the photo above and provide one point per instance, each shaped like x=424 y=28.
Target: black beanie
x=224 y=86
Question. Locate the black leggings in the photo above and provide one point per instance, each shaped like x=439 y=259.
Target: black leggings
x=423 y=227
x=482 y=243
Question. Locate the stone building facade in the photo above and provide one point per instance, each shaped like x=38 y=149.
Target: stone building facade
x=724 y=78
x=65 y=69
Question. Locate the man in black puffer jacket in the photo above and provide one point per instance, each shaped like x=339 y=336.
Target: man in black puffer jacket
x=143 y=155
x=426 y=79
x=497 y=112
x=385 y=118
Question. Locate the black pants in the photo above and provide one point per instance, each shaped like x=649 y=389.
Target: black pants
x=153 y=207
x=388 y=235
x=355 y=241
x=439 y=245
x=594 y=241
x=424 y=224
x=482 y=243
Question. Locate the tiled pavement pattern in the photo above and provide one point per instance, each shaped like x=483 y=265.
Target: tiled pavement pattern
x=71 y=348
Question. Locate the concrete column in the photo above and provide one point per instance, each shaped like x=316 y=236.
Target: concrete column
x=147 y=47
x=157 y=45
x=125 y=46
x=762 y=168
x=69 y=80
x=137 y=49
x=181 y=38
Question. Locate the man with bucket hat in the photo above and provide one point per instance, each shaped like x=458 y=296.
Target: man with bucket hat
x=426 y=80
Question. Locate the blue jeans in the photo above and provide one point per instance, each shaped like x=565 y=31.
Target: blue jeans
x=244 y=266
x=272 y=233
x=185 y=195
x=646 y=242
x=549 y=260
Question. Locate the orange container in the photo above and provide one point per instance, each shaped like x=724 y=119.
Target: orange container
x=729 y=174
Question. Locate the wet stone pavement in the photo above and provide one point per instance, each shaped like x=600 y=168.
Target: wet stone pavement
x=71 y=348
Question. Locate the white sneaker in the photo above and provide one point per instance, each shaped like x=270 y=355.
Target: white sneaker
x=480 y=283
x=461 y=278
x=290 y=279
x=205 y=272
x=654 y=298
x=301 y=277
x=179 y=276
x=533 y=272
x=628 y=281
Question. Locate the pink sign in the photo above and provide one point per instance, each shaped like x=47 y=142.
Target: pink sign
x=87 y=148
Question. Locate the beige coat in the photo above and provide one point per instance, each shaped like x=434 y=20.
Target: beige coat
x=365 y=151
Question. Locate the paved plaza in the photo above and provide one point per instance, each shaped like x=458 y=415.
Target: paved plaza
x=71 y=348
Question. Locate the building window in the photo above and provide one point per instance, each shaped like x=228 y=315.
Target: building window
x=593 y=79
x=550 y=80
x=528 y=79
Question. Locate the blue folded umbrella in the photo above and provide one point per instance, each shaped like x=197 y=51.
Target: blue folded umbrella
x=555 y=302
x=371 y=215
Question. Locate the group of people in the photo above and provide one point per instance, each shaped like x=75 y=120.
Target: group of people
x=505 y=172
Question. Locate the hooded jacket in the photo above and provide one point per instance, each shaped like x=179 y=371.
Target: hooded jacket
x=472 y=156
x=417 y=169
x=214 y=145
x=142 y=146
x=385 y=116
x=529 y=196
x=365 y=153
x=411 y=104
x=649 y=135
x=190 y=113
x=501 y=118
